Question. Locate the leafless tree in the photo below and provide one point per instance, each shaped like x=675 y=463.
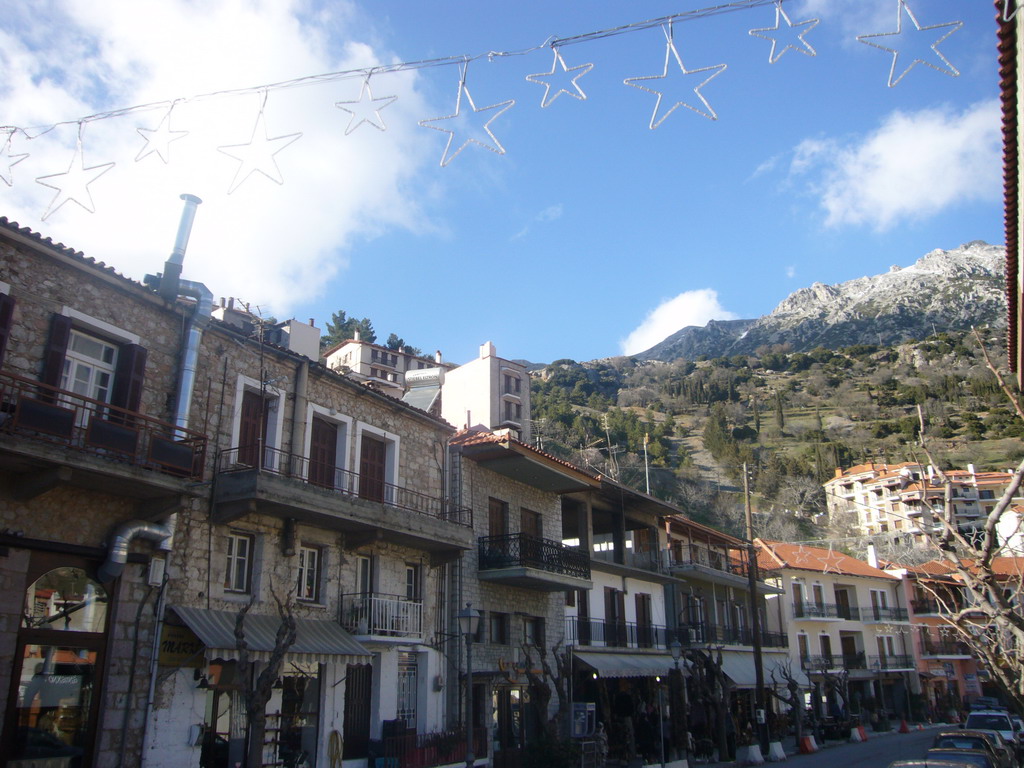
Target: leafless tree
x=541 y=685
x=792 y=696
x=991 y=620
x=713 y=689
x=257 y=689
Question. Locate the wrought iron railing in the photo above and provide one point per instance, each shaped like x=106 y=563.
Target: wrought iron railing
x=812 y=610
x=519 y=550
x=878 y=613
x=631 y=635
x=646 y=560
x=892 y=661
x=340 y=481
x=932 y=647
x=858 y=660
x=683 y=556
x=382 y=615
x=48 y=414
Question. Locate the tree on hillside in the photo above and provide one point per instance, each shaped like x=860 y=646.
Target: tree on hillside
x=396 y=342
x=341 y=328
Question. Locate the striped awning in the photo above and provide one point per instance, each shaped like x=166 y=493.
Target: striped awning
x=315 y=640
x=627 y=664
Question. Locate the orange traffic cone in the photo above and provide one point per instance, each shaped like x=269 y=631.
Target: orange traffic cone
x=903 y=726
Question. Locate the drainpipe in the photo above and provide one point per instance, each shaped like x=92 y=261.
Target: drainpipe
x=117 y=549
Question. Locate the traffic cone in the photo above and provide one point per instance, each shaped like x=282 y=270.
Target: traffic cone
x=903 y=726
x=920 y=727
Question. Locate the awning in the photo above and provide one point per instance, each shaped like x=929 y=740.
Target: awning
x=315 y=640
x=627 y=664
x=739 y=667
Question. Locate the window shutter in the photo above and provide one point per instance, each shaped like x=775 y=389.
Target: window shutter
x=56 y=350
x=129 y=377
x=6 y=320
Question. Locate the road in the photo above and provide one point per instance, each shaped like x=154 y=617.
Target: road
x=877 y=752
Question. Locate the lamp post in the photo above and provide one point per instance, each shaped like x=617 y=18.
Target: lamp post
x=676 y=649
x=469 y=621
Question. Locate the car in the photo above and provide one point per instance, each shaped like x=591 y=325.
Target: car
x=990 y=741
x=986 y=702
x=992 y=720
x=979 y=758
x=929 y=763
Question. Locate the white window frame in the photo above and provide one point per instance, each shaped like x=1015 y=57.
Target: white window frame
x=232 y=558
x=80 y=320
x=275 y=420
x=344 y=424
x=306 y=579
x=96 y=366
x=413 y=581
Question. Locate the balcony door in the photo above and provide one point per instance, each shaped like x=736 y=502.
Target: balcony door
x=614 y=617
x=323 y=453
x=372 y=468
x=532 y=532
x=252 y=428
x=645 y=632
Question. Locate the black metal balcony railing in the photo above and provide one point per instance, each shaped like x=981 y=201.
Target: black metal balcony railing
x=519 y=550
x=633 y=558
x=926 y=605
x=48 y=414
x=382 y=615
x=631 y=635
x=878 y=613
x=892 y=661
x=931 y=647
x=340 y=481
x=810 y=610
x=683 y=556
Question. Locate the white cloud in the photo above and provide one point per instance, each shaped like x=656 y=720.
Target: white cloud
x=551 y=213
x=688 y=308
x=914 y=166
x=791 y=271
x=276 y=245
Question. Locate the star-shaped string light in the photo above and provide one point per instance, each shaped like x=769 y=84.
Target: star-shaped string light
x=469 y=124
x=73 y=184
x=831 y=562
x=8 y=160
x=257 y=156
x=790 y=32
x=158 y=140
x=1007 y=14
x=800 y=556
x=670 y=53
x=911 y=39
x=560 y=78
x=365 y=109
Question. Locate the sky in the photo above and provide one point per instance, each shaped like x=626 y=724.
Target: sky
x=564 y=179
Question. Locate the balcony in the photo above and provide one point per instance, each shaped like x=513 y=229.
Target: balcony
x=944 y=649
x=708 y=565
x=825 y=611
x=520 y=560
x=718 y=634
x=879 y=614
x=615 y=634
x=53 y=436
x=629 y=558
x=376 y=616
x=274 y=482
x=893 y=663
x=828 y=661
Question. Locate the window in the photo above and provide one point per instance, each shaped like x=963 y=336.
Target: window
x=407 y=689
x=89 y=367
x=412 y=582
x=499 y=628
x=533 y=631
x=309 y=574
x=238 y=573
x=364 y=575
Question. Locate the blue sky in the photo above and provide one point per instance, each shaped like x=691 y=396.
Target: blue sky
x=591 y=235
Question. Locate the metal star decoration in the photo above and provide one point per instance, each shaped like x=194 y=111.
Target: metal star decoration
x=670 y=53
x=787 y=34
x=910 y=39
x=73 y=184
x=7 y=160
x=560 y=79
x=469 y=125
x=257 y=156
x=831 y=562
x=158 y=140
x=365 y=109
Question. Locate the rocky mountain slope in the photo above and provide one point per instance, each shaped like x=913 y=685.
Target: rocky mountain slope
x=943 y=290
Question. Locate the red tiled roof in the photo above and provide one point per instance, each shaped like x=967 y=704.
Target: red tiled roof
x=471 y=437
x=777 y=555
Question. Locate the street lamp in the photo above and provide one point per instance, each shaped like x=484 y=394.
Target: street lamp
x=676 y=649
x=469 y=621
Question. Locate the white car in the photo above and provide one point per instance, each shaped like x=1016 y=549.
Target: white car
x=992 y=720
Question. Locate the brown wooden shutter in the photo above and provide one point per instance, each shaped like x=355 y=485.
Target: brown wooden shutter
x=323 y=453
x=6 y=321
x=372 y=457
x=129 y=377
x=252 y=431
x=56 y=350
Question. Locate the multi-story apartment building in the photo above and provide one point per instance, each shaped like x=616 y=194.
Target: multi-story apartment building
x=843 y=617
x=387 y=368
x=903 y=499
x=489 y=391
x=99 y=456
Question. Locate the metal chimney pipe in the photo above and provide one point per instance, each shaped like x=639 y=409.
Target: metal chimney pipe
x=172 y=267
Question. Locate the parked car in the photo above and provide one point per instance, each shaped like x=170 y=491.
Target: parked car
x=986 y=702
x=979 y=758
x=989 y=741
x=929 y=763
x=992 y=720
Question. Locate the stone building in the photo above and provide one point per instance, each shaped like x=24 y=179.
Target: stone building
x=98 y=458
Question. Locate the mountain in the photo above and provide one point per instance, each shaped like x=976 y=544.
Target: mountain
x=943 y=290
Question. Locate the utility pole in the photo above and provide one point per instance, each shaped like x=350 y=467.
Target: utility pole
x=761 y=714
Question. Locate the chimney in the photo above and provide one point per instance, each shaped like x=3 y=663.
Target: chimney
x=487 y=350
x=872 y=555
x=437 y=356
x=355 y=335
x=172 y=267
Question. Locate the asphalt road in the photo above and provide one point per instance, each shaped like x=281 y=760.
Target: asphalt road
x=877 y=752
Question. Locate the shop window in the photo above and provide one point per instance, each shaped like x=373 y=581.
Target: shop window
x=66 y=599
